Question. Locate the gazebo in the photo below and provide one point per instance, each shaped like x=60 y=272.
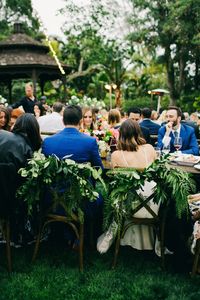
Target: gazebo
x=23 y=57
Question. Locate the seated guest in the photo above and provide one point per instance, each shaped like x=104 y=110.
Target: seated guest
x=4 y=118
x=16 y=147
x=154 y=116
x=89 y=119
x=52 y=122
x=134 y=152
x=191 y=124
x=174 y=128
x=146 y=121
x=134 y=113
x=114 y=118
x=82 y=148
x=15 y=113
x=38 y=110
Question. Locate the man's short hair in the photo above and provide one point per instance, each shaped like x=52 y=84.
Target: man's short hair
x=146 y=112
x=72 y=115
x=57 y=107
x=135 y=110
x=179 y=111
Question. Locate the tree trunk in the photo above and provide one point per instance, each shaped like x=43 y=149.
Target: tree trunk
x=170 y=76
x=182 y=74
x=118 y=97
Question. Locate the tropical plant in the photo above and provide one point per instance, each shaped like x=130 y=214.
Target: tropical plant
x=124 y=184
x=69 y=183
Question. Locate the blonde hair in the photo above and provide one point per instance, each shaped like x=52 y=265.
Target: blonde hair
x=84 y=111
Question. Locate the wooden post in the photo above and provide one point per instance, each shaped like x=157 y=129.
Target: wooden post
x=34 y=79
x=64 y=88
x=10 y=90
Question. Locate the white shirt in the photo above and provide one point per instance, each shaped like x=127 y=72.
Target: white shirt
x=166 y=139
x=51 y=123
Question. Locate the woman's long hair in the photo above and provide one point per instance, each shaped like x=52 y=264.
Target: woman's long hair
x=84 y=111
x=27 y=126
x=130 y=136
x=7 y=117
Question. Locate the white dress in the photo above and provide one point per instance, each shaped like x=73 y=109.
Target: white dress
x=142 y=237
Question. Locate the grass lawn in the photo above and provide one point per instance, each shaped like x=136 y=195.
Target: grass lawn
x=55 y=275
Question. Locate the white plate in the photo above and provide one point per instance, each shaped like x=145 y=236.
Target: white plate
x=182 y=160
x=197 y=167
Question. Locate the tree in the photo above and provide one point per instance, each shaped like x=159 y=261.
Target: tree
x=171 y=26
x=14 y=11
x=90 y=49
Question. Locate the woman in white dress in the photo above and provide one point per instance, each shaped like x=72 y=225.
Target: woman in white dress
x=134 y=152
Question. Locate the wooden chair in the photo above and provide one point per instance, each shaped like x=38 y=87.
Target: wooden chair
x=196 y=259
x=72 y=219
x=154 y=220
x=8 y=185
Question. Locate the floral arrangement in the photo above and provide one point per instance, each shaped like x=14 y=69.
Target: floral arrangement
x=3 y=100
x=104 y=148
x=69 y=183
x=86 y=102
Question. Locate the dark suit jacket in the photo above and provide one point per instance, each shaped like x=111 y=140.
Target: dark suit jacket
x=146 y=134
x=193 y=125
x=189 y=141
x=70 y=141
x=152 y=126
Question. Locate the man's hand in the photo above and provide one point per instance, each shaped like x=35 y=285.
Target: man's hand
x=169 y=126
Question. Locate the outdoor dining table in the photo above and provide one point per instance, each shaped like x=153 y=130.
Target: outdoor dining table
x=189 y=169
x=185 y=168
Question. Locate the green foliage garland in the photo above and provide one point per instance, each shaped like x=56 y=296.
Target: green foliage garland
x=69 y=182
x=171 y=183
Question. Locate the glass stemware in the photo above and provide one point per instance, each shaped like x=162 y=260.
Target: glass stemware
x=166 y=149
x=177 y=143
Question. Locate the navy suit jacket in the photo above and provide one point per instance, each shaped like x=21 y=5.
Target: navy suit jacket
x=152 y=126
x=70 y=141
x=189 y=141
x=146 y=134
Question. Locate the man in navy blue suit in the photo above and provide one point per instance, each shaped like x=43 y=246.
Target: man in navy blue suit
x=146 y=122
x=174 y=127
x=70 y=141
x=134 y=113
x=82 y=148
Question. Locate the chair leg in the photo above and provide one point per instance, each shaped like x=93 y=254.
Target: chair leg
x=81 y=235
x=37 y=244
x=117 y=244
x=162 y=244
x=196 y=259
x=8 y=251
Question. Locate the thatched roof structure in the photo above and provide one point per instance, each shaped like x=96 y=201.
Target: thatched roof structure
x=23 y=57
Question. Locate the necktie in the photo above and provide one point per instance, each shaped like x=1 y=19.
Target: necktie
x=175 y=134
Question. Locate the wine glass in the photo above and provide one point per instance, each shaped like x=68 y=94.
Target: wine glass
x=177 y=143
x=166 y=149
x=158 y=151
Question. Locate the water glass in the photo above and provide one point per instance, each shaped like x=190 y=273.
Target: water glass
x=158 y=151
x=166 y=149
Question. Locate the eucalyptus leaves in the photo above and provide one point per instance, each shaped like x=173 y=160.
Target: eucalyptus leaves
x=69 y=183
x=124 y=183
